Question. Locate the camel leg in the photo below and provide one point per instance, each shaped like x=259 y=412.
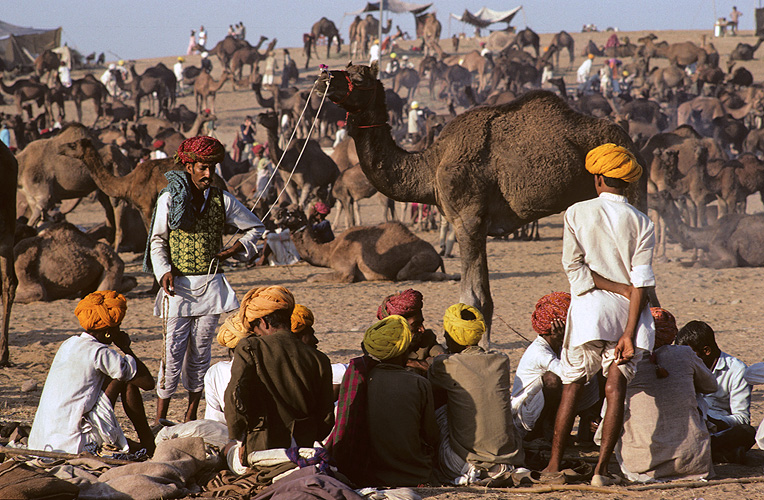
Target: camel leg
x=357 y=220
x=417 y=269
x=475 y=288
x=338 y=213
x=108 y=208
x=9 y=293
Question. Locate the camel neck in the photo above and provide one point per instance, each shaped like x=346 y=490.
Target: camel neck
x=311 y=251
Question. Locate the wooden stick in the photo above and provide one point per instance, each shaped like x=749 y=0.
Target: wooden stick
x=65 y=456
x=697 y=484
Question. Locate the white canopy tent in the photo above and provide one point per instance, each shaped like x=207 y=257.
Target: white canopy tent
x=486 y=17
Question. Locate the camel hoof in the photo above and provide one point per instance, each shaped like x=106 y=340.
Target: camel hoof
x=6 y=364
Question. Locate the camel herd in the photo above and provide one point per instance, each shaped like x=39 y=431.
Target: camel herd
x=505 y=153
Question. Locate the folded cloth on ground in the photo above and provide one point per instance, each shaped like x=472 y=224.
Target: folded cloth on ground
x=307 y=484
x=20 y=481
x=213 y=432
x=393 y=494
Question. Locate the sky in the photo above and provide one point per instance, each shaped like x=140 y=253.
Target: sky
x=136 y=29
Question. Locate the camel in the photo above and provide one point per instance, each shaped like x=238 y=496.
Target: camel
x=250 y=55
x=428 y=28
x=491 y=171
x=744 y=51
x=146 y=85
x=472 y=62
x=664 y=79
x=735 y=240
x=89 y=87
x=525 y=38
x=453 y=76
x=27 y=90
x=389 y=252
x=172 y=138
x=406 y=77
x=367 y=29
x=9 y=171
x=563 y=40
x=47 y=62
x=284 y=94
x=315 y=171
x=751 y=175
x=46 y=269
x=205 y=87
x=327 y=28
x=46 y=177
x=226 y=48
x=686 y=53
x=739 y=76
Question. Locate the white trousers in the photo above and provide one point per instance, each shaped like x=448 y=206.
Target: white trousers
x=188 y=348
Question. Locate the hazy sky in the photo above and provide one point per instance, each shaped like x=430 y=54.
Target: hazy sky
x=142 y=28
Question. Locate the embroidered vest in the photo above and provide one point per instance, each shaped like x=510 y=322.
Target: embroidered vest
x=192 y=251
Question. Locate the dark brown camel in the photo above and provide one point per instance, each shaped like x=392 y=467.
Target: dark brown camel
x=9 y=174
x=525 y=38
x=146 y=85
x=563 y=40
x=406 y=77
x=46 y=62
x=226 y=48
x=27 y=90
x=249 y=55
x=491 y=171
x=89 y=87
x=452 y=76
x=327 y=28
x=744 y=51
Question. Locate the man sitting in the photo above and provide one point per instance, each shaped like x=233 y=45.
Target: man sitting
x=401 y=415
x=322 y=229
x=729 y=408
x=664 y=435
x=77 y=404
x=280 y=394
x=479 y=440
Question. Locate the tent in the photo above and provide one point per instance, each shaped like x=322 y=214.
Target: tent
x=395 y=6
x=485 y=16
x=21 y=45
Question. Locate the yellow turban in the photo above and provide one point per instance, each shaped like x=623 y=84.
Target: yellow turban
x=464 y=331
x=101 y=310
x=302 y=318
x=388 y=338
x=257 y=303
x=613 y=161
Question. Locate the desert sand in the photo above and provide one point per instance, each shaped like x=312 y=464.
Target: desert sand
x=520 y=272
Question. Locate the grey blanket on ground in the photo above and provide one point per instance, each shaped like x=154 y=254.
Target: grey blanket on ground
x=167 y=475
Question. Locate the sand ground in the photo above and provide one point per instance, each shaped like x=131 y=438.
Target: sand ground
x=520 y=273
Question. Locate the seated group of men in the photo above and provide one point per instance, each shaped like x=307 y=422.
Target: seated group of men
x=409 y=411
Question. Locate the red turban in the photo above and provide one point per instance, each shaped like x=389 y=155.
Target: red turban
x=403 y=304
x=321 y=208
x=549 y=307
x=202 y=149
x=341 y=123
x=257 y=149
x=665 y=326
x=158 y=144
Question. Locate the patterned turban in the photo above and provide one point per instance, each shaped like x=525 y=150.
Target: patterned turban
x=159 y=143
x=258 y=149
x=200 y=149
x=388 y=338
x=665 y=326
x=302 y=318
x=549 y=307
x=101 y=310
x=613 y=161
x=464 y=331
x=321 y=208
x=257 y=303
x=403 y=304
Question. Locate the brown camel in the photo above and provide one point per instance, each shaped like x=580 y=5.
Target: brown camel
x=406 y=77
x=46 y=177
x=27 y=90
x=226 y=48
x=205 y=87
x=367 y=29
x=471 y=61
x=751 y=175
x=686 y=53
x=327 y=28
x=428 y=28
x=661 y=80
x=387 y=251
x=744 y=51
x=172 y=138
x=47 y=62
x=46 y=270
x=453 y=76
x=284 y=94
x=250 y=55
x=491 y=171
x=9 y=172
x=733 y=241
x=315 y=171
x=525 y=38
x=563 y=40
x=146 y=85
x=89 y=87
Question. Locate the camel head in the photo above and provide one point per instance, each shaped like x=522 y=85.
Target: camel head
x=354 y=89
x=75 y=149
x=269 y=120
x=292 y=218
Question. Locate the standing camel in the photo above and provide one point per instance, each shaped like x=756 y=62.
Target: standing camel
x=406 y=77
x=249 y=55
x=527 y=37
x=9 y=173
x=205 y=87
x=491 y=171
x=88 y=87
x=563 y=40
x=147 y=85
x=27 y=90
x=327 y=28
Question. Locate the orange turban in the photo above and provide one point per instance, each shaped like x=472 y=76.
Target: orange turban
x=613 y=161
x=101 y=310
x=257 y=303
x=552 y=306
x=665 y=326
x=302 y=318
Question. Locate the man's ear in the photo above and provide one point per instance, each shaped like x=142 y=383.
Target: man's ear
x=374 y=67
x=706 y=350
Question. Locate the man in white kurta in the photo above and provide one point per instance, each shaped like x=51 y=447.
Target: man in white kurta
x=607 y=254
x=186 y=263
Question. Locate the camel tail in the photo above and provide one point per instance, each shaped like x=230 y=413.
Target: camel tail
x=443 y=266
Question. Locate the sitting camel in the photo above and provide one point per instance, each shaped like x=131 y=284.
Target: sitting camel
x=366 y=253
x=62 y=262
x=735 y=240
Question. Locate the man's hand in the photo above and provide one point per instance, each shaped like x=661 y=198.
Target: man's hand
x=228 y=252
x=121 y=339
x=168 y=284
x=624 y=350
x=558 y=326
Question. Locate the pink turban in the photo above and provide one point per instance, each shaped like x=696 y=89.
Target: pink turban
x=321 y=208
x=404 y=303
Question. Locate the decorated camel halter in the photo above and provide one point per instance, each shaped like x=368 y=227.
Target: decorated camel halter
x=351 y=88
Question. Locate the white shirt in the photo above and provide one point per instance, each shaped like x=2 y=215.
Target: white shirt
x=203 y=294
x=158 y=154
x=74 y=383
x=583 y=71
x=612 y=238
x=374 y=53
x=178 y=70
x=341 y=134
x=215 y=383
x=731 y=403
x=106 y=77
x=65 y=76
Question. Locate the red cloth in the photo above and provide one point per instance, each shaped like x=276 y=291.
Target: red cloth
x=665 y=326
x=321 y=208
x=158 y=144
x=259 y=148
x=201 y=148
x=403 y=304
x=549 y=307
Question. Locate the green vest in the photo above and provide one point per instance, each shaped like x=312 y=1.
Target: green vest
x=192 y=251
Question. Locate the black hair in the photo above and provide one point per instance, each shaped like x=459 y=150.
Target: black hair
x=615 y=183
x=697 y=334
x=280 y=318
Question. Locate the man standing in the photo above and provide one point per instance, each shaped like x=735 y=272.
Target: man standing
x=280 y=394
x=607 y=254
x=184 y=254
x=732 y=23
x=177 y=69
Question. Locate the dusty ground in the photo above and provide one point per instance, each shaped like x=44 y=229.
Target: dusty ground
x=521 y=272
